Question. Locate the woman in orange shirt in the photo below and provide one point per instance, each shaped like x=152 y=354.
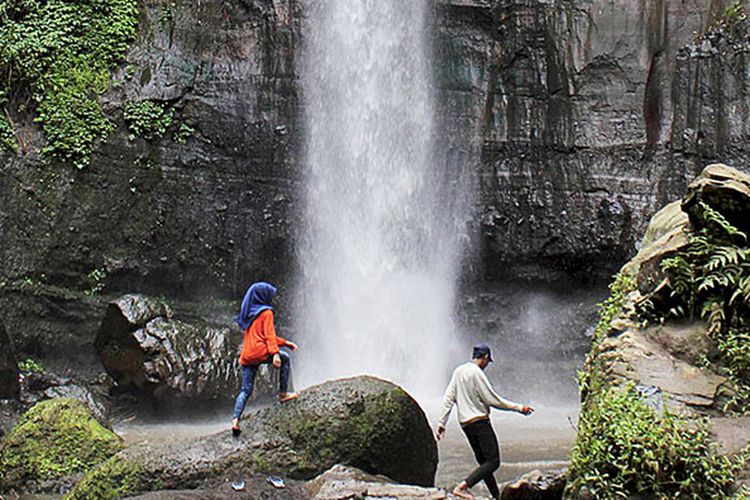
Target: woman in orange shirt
x=260 y=344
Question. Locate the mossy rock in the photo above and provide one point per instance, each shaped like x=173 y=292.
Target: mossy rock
x=363 y=422
x=115 y=478
x=53 y=441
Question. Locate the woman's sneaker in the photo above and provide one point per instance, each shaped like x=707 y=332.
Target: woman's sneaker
x=288 y=396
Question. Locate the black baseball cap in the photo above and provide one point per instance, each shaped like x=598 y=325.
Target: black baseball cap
x=480 y=350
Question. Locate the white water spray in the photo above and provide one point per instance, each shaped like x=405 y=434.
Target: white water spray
x=380 y=246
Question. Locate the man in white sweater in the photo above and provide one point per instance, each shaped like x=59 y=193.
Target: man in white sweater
x=470 y=390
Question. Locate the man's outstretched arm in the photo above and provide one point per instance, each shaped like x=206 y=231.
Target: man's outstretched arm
x=493 y=399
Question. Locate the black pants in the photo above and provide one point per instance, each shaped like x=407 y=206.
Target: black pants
x=484 y=443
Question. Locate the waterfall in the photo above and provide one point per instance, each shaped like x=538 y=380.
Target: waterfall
x=380 y=244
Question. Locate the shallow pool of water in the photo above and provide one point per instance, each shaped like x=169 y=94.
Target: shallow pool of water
x=542 y=441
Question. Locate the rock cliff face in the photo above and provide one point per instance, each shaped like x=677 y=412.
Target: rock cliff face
x=190 y=213
x=583 y=117
x=573 y=118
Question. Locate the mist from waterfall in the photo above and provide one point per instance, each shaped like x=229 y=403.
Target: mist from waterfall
x=381 y=238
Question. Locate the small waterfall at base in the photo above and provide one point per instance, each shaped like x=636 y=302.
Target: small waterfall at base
x=380 y=246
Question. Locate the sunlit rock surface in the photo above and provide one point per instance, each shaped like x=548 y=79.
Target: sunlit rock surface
x=342 y=482
x=363 y=422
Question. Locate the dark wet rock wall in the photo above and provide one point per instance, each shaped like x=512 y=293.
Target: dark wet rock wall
x=576 y=111
x=574 y=119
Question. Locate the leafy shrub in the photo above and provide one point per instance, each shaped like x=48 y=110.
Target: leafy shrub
x=147 y=119
x=7 y=137
x=627 y=449
x=62 y=51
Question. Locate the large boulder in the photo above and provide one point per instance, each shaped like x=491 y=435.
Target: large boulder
x=141 y=346
x=667 y=233
x=9 y=387
x=364 y=422
x=42 y=385
x=52 y=444
x=724 y=188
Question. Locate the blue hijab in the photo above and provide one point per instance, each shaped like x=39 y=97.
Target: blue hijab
x=257 y=299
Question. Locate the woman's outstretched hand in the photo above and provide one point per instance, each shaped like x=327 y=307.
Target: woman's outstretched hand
x=291 y=345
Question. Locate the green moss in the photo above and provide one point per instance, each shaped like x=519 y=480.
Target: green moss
x=116 y=478
x=53 y=439
x=320 y=441
x=147 y=119
x=62 y=51
x=626 y=449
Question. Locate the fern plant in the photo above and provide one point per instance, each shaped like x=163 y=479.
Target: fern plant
x=711 y=278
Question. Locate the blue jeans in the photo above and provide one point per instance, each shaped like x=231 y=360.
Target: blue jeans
x=248 y=379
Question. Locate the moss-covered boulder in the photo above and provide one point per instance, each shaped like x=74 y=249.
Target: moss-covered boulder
x=364 y=422
x=53 y=442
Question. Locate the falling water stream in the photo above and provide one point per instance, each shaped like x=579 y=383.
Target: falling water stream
x=380 y=248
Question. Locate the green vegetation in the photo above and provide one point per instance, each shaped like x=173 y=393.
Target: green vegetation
x=53 y=439
x=96 y=280
x=183 y=133
x=711 y=279
x=589 y=378
x=166 y=17
x=627 y=449
x=732 y=21
x=62 y=51
x=30 y=366
x=7 y=136
x=147 y=119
